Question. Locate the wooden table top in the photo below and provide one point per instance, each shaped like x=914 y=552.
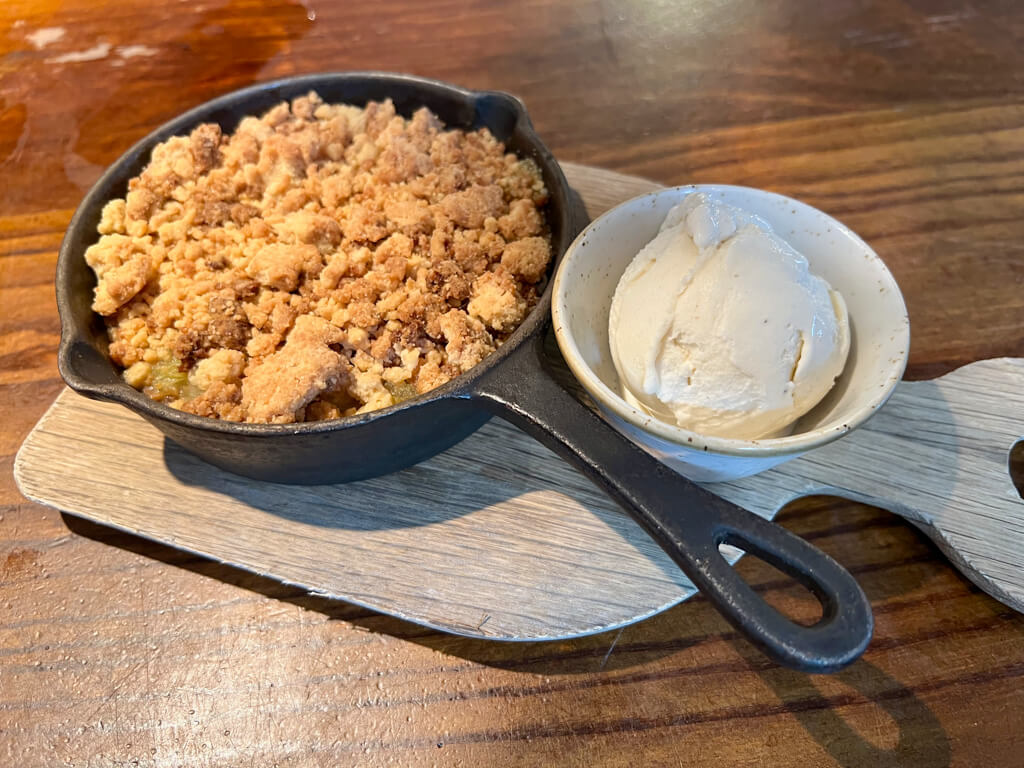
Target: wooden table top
x=905 y=120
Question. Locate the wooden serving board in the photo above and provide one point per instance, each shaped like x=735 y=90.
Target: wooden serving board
x=498 y=537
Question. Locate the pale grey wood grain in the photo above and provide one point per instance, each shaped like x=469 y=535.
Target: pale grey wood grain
x=496 y=537
x=937 y=454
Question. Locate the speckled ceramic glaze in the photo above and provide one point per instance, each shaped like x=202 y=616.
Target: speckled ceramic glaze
x=590 y=272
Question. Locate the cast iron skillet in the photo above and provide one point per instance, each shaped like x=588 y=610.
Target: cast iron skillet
x=687 y=521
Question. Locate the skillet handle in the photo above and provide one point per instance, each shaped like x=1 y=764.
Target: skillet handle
x=687 y=521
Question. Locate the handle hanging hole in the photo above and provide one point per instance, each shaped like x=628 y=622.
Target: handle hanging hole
x=788 y=595
x=1015 y=466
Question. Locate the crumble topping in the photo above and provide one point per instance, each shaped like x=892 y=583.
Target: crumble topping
x=322 y=260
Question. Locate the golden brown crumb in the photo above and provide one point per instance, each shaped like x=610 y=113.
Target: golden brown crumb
x=528 y=258
x=497 y=301
x=471 y=207
x=122 y=267
x=277 y=389
x=280 y=265
x=468 y=340
x=320 y=261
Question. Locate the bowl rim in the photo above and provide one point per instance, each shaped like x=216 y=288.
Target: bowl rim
x=688 y=440
x=73 y=336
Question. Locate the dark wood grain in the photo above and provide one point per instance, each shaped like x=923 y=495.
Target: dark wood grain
x=905 y=120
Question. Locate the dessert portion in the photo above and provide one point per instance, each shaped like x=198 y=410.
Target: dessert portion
x=719 y=326
x=321 y=261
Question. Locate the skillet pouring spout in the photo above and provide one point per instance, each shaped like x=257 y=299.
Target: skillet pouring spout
x=687 y=521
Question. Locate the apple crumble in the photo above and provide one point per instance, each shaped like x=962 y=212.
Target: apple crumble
x=321 y=261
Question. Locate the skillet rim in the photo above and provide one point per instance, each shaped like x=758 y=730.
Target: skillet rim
x=75 y=339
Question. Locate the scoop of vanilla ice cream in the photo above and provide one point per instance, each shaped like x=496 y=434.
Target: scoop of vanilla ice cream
x=719 y=326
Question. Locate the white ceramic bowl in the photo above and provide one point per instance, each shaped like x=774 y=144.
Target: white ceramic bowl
x=880 y=330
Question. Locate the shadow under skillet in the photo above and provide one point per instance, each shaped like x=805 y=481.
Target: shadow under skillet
x=494 y=466
x=423 y=486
